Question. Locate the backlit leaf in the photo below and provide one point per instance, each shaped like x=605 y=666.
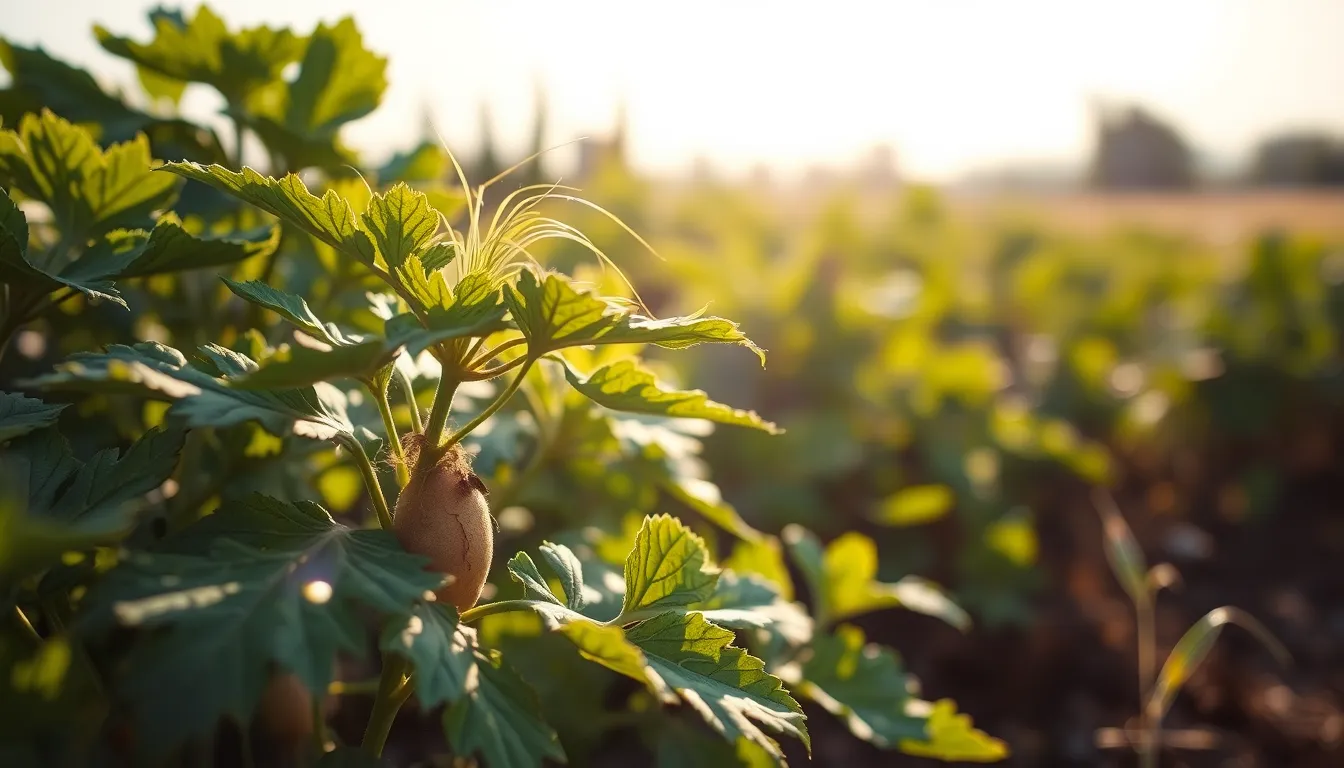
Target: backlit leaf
x=668 y=567
x=625 y=386
x=728 y=687
x=1194 y=646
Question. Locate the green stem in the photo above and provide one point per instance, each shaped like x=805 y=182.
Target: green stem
x=498 y=370
x=1149 y=726
x=489 y=609
x=495 y=405
x=357 y=688
x=320 y=737
x=385 y=706
x=485 y=356
x=390 y=427
x=371 y=483
x=438 y=415
x=404 y=381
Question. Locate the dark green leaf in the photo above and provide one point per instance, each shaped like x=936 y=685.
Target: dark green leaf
x=150 y=368
x=20 y=415
x=68 y=91
x=440 y=648
x=299 y=366
x=501 y=720
x=167 y=248
x=291 y=307
x=291 y=596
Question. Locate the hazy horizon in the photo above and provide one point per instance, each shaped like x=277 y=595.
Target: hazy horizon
x=953 y=88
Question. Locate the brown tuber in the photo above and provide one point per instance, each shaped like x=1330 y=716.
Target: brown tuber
x=286 y=709
x=442 y=514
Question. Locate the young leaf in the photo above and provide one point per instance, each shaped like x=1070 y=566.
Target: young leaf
x=562 y=561
x=841 y=580
x=668 y=567
x=625 y=386
x=501 y=720
x=552 y=314
x=401 y=223
x=1195 y=645
x=1122 y=551
x=328 y=218
x=20 y=415
x=291 y=596
x=205 y=51
x=316 y=412
x=950 y=736
x=475 y=309
x=525 y=572
x=915 y=505
x=727 y=686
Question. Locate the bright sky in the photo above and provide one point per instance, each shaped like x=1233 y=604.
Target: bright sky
x=951 y=85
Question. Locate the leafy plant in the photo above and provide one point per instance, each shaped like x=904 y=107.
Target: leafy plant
x=163 y=595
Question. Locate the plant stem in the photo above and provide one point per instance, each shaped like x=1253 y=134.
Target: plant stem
x=356 y=688
x=404 y=381
x=485 y=356
x=393 y=439
x=489 y=609
x=385 y=706
x=371 y=483
x=1149 y=726
x=438 y=415
x=495 y=405
x=491 y=373
x=319 y=726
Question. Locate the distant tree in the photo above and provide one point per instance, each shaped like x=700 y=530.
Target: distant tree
x=1135 y=150
x=1303 y=159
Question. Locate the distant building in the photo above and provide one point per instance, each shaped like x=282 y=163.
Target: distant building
x=1299 y=160
x=1137 y=151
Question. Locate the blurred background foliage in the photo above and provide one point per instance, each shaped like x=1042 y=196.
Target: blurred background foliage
x=953 y=378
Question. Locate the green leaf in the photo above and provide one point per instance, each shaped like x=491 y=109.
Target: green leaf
x=475 y=310
x=71 y=92
x=205 y=51
x=401 y=223
x=501 y=720
x=625 y=386
x=668 y=567
x=339 y=81
x=427 y=162
x=608 y=646
x=524 y=571
x=751 y=603
x=292 y=595
x=951 y=737
x=328 y=218
x=1122 y=551
x=299 y=366
x=291 y=307
x=53 y=504
x=88 y=190
x=842 y=581
x=1195 y=645
x=552 y=314
x=915 y=505
x=20 y=415
x=18 y=271
x=864 y=685
x=564 y=564
x=726 y=685
x=168 y=248
x=439 y=646
x=202 y=399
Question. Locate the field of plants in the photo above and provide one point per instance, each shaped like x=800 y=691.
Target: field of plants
x=311 y=461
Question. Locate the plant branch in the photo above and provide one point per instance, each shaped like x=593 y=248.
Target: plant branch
x=494 y=406
x=1149 y=726
x=371 y=483
x=485 y=356
x=404 y=381
x=490 y=609
x=386 y=705
x=491 y=373
x=443 y=404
